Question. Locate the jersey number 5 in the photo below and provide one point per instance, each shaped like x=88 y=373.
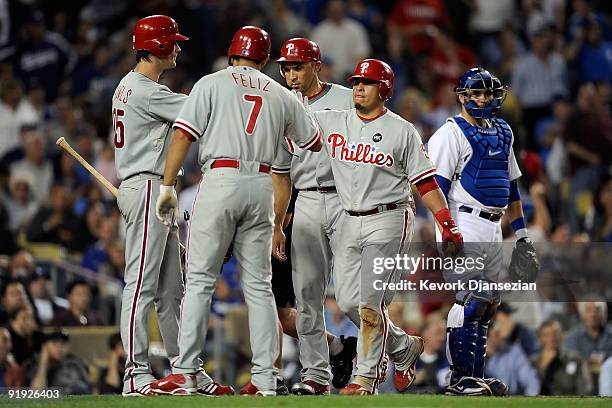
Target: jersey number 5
x=118 y=127
x=257 y=101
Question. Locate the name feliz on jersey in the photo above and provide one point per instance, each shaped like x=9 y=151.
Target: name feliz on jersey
x=357 y=152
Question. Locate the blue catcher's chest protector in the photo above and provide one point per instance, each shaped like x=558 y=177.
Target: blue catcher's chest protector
x=485 y=176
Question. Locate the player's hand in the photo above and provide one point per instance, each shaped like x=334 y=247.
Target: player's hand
x=166 y=208
x=303 y=100
x=278 y=244
x=452 y=240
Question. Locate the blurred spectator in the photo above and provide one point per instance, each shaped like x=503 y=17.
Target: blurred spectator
x=44 y=57
x=599 y=219
x=15 y=112
x=8 y=246
x=35 y=166
x=513 y=332
x=21 y=204
x=592 y=339
x=509 y=363
x=78 y=293
x=586 y=140
x=22 y=266
x=445 y=105
x=487 y=20
x=56 y=367
x=25 y=336
x=47 y=305
x=418 y=22
x=343 y=40
x=591 y=54
x=57 y=223
x=12 y=297
x=111 y=377
x=11 y=373
x=432 y=366
x=66 y=119
x=98 y=253
x=560 y=372
x=411 y=106
x=285 y=24
x=105 y=164
x=448 y=59
x=583 y=15
x=538 y=77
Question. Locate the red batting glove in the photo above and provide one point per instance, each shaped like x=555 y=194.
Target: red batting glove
x=452 y=240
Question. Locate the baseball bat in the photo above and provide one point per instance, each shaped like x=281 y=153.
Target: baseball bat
x=63 y=143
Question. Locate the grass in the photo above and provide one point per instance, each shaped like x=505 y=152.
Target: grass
x=335 y=401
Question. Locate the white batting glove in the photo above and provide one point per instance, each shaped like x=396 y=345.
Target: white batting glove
x=166 y=207
x=303 y=100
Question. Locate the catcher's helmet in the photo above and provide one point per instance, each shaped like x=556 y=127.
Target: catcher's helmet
x=376 y=70
x=156 y=34
x=480 y=79
x=250 y=42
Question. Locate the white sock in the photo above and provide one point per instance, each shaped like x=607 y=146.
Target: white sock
x=336 y=346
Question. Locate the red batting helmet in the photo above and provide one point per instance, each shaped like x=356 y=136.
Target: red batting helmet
x=376 y=70
x=250 y=42
x=299 y=50
x=156 y=34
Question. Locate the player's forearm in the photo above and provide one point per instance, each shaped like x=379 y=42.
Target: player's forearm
x=282 y=195
x=434 y=200
x=176 y=156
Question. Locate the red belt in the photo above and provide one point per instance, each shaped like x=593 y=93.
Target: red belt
x=235 y=164
x=379 y=209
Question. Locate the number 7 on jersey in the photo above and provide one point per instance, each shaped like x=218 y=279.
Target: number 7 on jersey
x=257 y=102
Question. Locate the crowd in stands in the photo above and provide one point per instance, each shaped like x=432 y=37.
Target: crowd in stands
x=61 y=61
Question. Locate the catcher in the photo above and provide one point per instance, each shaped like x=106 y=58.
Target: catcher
x=478 y=173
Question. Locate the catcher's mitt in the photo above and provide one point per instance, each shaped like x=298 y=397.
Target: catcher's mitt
x=524 y=264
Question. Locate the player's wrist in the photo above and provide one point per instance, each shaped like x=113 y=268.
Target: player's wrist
x=166 y=189
x=522 y=235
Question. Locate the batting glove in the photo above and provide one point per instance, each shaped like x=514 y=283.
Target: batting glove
x=303 y=100
x=452 y=240
x=166 y=208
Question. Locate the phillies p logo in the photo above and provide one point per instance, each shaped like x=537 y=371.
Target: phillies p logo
x=364 y=67
x=290 y=48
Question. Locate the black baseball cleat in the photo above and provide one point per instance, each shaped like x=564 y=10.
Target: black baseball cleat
x=342 y=363
x=468 y=386
x=309 y=387
x=281 y=388
x=498 y=387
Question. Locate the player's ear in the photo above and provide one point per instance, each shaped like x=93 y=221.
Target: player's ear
x=317 y=66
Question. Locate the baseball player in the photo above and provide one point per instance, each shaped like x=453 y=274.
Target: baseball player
x=478 y=173
x=143 y=112
x=317 y=211
x=375 y=154
x=239 y=117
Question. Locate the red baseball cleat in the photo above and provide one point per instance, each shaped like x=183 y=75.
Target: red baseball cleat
x=215 y=389
x=175 y=384
x=354 y=389
x=251 y=389
x=404 y=378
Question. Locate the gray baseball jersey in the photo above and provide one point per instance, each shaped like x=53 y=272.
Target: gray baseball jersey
x=251 y=124
x=313 y=239
x=373 y=162
x=312 y=169
x=143 y=112
x=239 y=114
